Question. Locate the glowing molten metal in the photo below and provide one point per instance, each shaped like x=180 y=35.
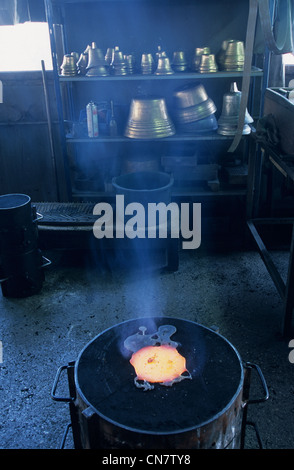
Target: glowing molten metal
x=158 y=363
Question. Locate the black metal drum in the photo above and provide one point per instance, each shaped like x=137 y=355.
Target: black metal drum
x=204 y=412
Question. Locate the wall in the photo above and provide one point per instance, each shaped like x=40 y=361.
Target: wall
x=26 y=163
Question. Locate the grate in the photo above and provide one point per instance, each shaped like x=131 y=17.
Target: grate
x=66 y=213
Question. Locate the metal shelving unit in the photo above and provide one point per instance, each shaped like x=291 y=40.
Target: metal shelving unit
x=68 y=82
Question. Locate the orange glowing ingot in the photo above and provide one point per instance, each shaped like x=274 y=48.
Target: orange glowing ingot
x=158 y=363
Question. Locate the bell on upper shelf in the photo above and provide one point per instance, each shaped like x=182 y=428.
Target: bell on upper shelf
x=82 y=63
x=163 y=67
x=96 y=62
x=69 y=66
x=118 y=64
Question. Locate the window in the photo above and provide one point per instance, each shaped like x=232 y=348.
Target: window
x=288 y=59
x=23 y=46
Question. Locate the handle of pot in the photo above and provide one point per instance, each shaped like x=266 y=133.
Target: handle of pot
x=263 y=383
x=65 y=435
x=46 y=262
x=38 y=217
x=55 y=384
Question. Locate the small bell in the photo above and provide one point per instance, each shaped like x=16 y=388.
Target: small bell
x=163 y=67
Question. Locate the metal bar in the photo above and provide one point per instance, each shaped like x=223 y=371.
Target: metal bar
x=289 y=295
x=65 y=436
x=245 y=398
x=275 y=275
x=265 y=397
x=267 y=62
x=251 y=423
x=49 y=17
x=73 y=409
x=55 y=384
x=273 y=220
x=49 y=123
x=254 y=178
x=282 y=167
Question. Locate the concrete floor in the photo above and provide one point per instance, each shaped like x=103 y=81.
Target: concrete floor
x=230 y=290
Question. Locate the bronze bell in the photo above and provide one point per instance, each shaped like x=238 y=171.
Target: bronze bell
x=69 y=66
x=234 y=56
x=147 y=63
x=228 y=121
x=196 y=59
x=82 y=63
x=149 y=119
x=118 y=64
x=179 y=62
x=207 y=64
x=96 y=62
x=108 y=55
x=163 y=67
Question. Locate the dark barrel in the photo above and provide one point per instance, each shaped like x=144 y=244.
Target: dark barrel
x=21 y=261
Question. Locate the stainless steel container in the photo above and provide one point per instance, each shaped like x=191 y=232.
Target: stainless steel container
x=92 y=119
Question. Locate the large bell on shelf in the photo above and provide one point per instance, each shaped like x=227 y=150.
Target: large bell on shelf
x=149 y=119
x=194 y=110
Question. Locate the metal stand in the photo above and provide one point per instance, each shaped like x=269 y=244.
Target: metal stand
x=261 y=153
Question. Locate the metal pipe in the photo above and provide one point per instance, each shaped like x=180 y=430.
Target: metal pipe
x=53 y=160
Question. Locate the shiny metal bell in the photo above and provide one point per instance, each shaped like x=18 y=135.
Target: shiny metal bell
x=149 y=119
x=163 y=67
x=179 y=62
x=234 y=56
x=196 y=59
x=108 y=55
x=118 y=65
x=228 y=121
x=208 y=64
x=147 y=64
x=69 y=66
x=96 y=62
x=82 y=63
x=130 y=63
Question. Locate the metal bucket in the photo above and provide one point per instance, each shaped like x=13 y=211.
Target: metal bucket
x=144 y=187
x=21 y=261
x=206 y=412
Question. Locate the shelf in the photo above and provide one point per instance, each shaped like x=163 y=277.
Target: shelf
x=176 y=192
x=67 y=86
x=175 y=138
x=26 y=123
x=255 y=72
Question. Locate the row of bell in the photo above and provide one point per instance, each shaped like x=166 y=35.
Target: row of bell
x=194 y=112
x=92 y=61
